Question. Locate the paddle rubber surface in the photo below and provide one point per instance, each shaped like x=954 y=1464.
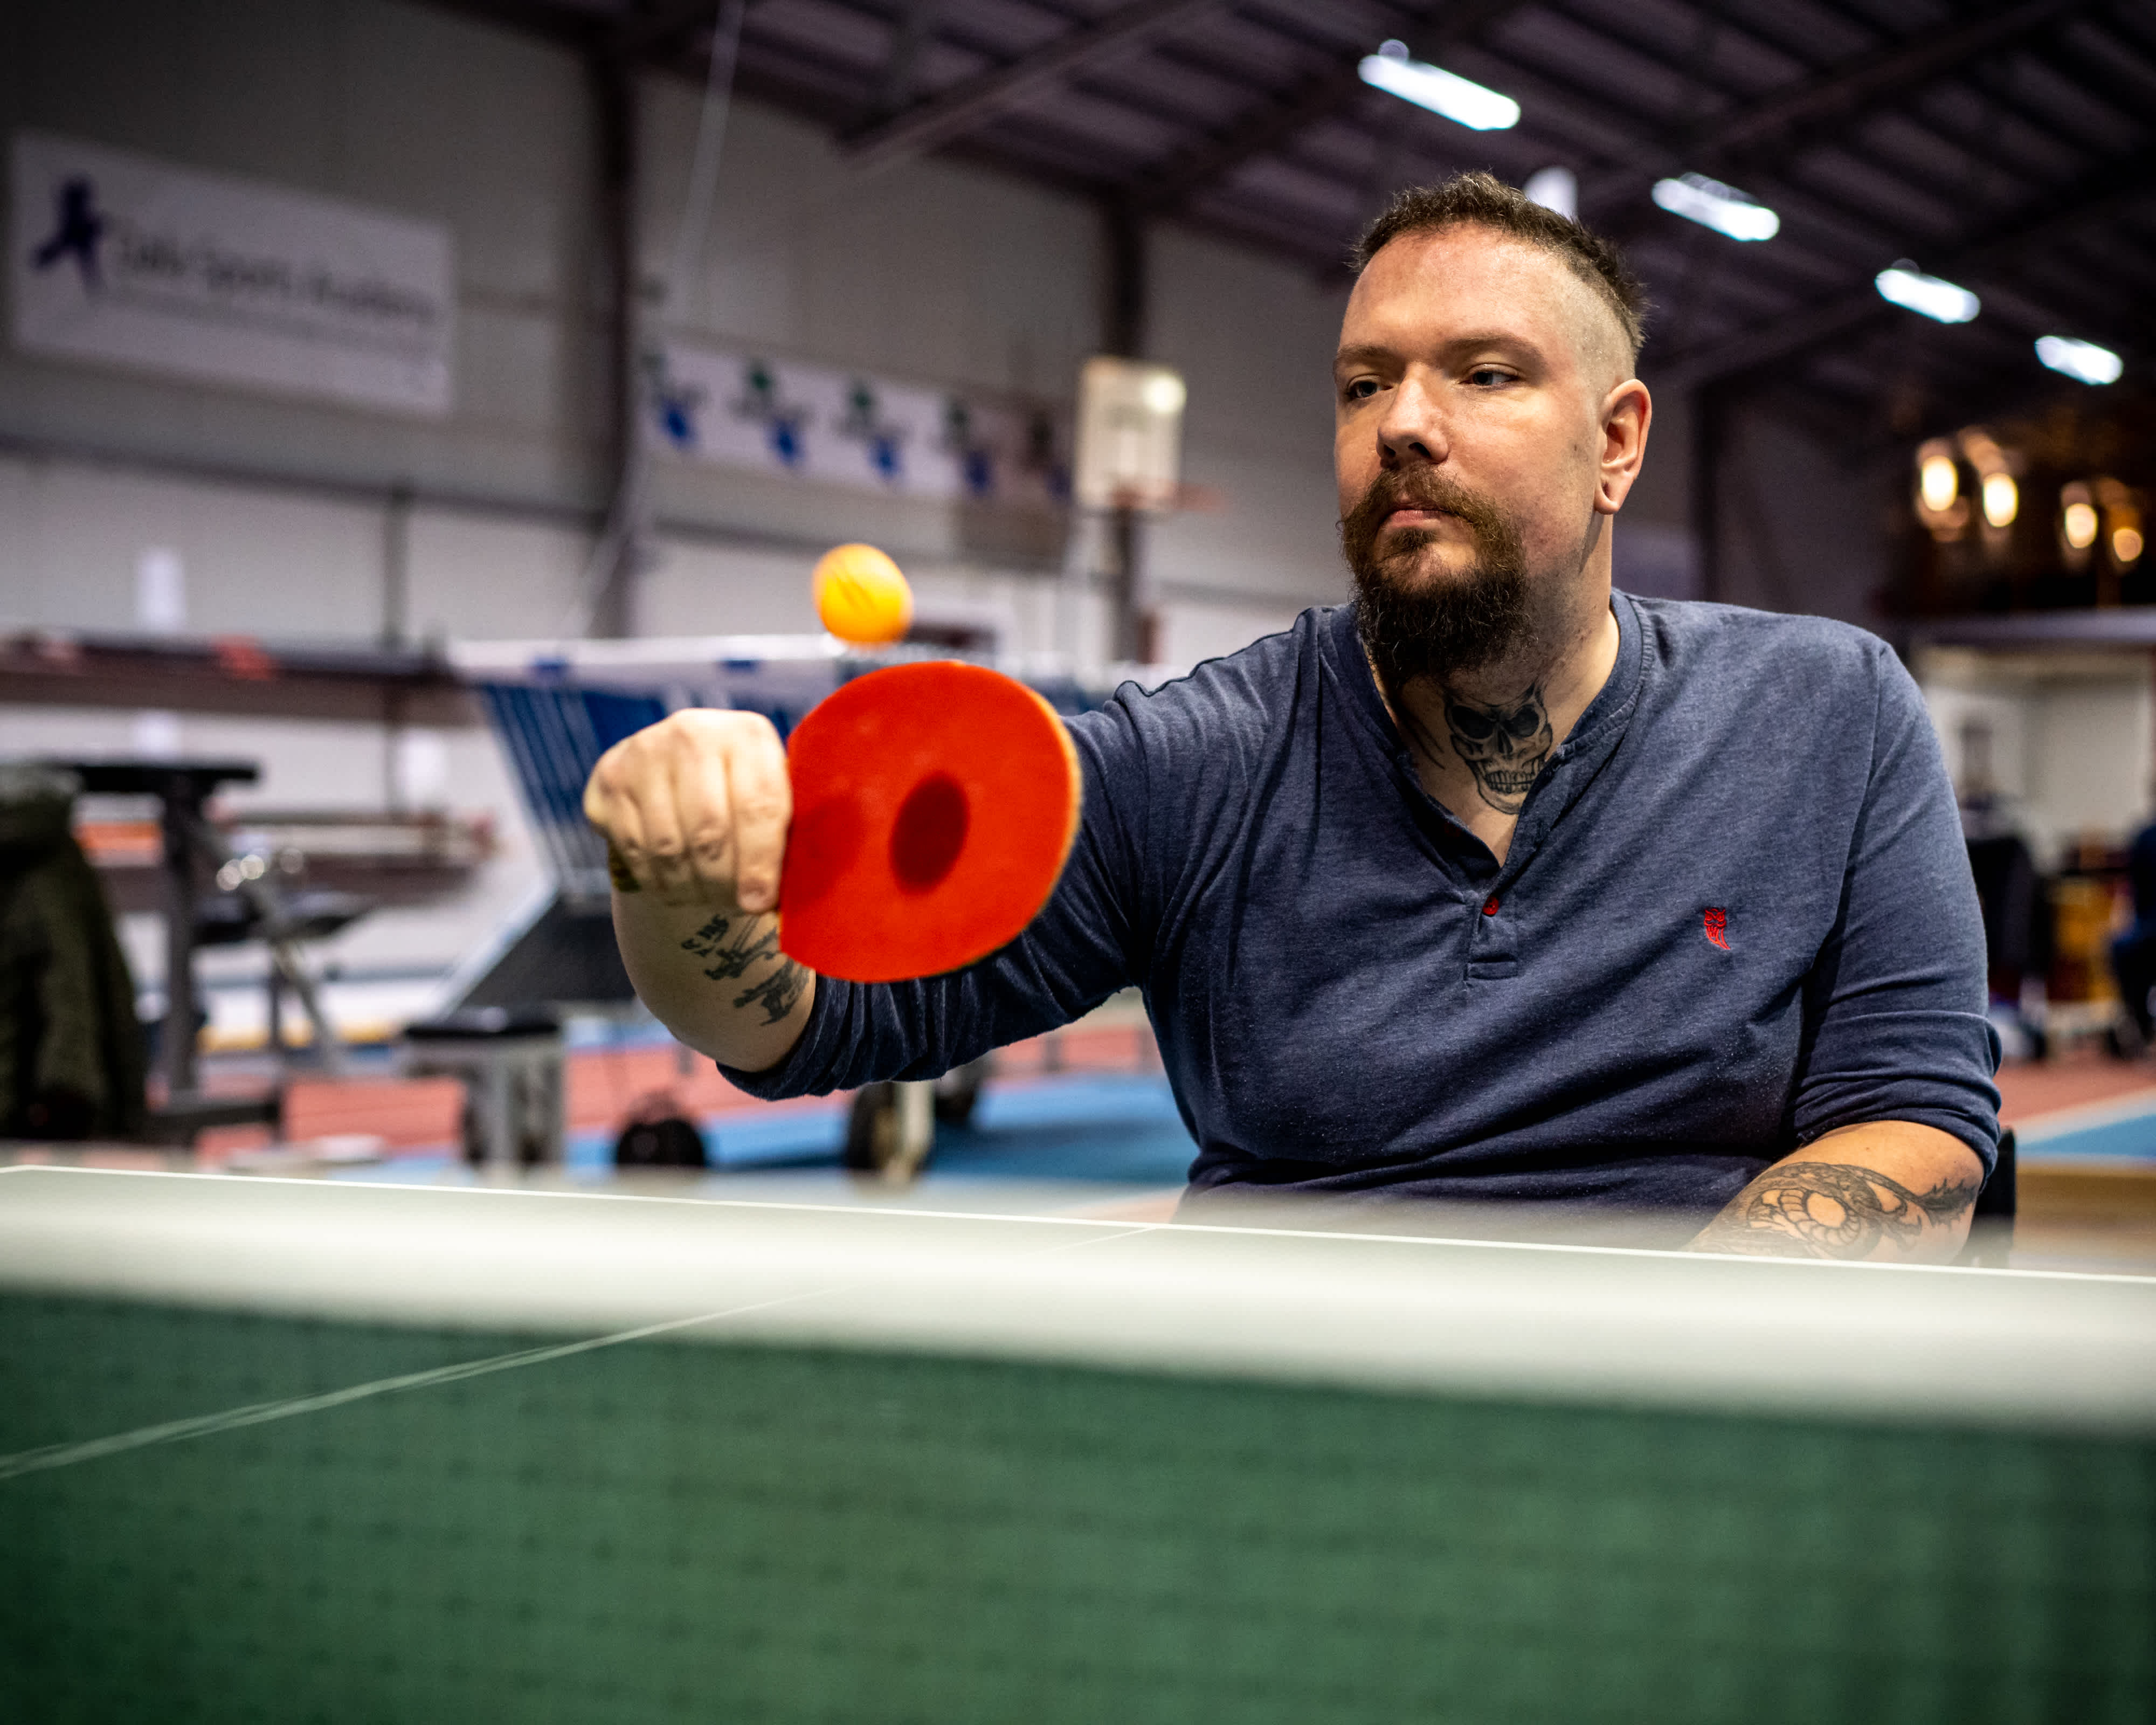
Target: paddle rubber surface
x=933 y=807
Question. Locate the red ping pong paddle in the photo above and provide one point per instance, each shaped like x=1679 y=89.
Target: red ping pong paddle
x=933 y=807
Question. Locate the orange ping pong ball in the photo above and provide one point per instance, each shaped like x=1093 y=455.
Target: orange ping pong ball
x=861 y=597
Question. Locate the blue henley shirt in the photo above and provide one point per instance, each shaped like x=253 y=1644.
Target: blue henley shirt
x=1737 y=913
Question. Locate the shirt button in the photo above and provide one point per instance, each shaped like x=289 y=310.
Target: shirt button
x=1490 y=905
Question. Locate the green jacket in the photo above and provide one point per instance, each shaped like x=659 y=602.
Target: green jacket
x=72 y=1060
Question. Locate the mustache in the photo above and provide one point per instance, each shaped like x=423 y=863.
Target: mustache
x=1428 y=491
x=1425 y=488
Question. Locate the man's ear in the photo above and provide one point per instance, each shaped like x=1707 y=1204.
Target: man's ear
x=1626 y=413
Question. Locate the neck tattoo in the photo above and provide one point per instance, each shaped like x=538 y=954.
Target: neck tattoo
x=1503 y=744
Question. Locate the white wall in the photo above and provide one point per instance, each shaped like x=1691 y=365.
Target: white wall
x=927 y=272
x=256 y=562
x=1255 y=340
x=2090 y=760
x=927 y=269
x=2004 y=718
x=2073 y=745
x=408 y=108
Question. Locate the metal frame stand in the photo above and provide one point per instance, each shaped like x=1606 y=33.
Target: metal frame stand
x=511 y=1068
x=193 y=850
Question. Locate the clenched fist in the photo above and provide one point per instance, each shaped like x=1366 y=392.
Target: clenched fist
x=695 y=810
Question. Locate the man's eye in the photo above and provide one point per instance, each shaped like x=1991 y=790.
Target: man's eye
x=1361 y=389
x=1488 y=376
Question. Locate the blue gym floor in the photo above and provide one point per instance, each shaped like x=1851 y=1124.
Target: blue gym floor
x=1113 y=1132
x=2123 y=1131
x=1100 y=1137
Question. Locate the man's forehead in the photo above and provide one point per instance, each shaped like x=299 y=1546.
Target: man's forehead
x=1468 y=281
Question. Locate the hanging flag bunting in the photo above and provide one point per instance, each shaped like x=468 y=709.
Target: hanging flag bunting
x=743 y=410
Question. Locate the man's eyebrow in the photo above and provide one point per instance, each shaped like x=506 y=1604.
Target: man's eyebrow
x=1375 y=354
x=1364 y=354
x=1494 y=338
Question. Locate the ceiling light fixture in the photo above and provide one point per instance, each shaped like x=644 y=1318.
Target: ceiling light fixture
x=2082 y=361
x=2002 y=499
x=1457 y=99
x=1937 y=482
x=1908 y=286
x=1556 y=188
x=2079 y=525
x=1714 y=205
x=1941 y=507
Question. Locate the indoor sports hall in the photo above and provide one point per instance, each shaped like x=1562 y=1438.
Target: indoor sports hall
x=975 y=860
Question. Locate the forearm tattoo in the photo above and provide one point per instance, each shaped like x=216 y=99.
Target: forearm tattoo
x=1503 y=744
x=732 y=950
x=777 y=993
x=1831 y=1210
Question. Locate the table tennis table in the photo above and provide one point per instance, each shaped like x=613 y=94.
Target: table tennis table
x=289 y=1449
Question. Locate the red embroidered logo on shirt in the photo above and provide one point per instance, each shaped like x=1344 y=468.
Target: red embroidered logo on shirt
x=1716 y=921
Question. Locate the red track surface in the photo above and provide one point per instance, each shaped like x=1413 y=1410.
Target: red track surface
x=2070 y=1082
x=605 y=1085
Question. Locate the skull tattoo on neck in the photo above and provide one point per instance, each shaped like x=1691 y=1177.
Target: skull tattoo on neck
x=1504 y=745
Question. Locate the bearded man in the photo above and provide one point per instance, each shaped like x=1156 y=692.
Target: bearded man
x=1495 y=885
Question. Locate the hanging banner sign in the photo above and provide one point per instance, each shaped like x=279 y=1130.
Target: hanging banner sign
x=122 y=258
x=846 y=428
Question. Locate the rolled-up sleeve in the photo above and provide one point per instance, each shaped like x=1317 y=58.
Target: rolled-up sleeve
x=1895 y=1005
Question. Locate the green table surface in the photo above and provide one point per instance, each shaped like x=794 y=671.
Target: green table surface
x=267 y=1454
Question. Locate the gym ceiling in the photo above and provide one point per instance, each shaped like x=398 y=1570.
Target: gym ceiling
x=2007 y=147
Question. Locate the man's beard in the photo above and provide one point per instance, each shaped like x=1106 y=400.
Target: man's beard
x=1434 y=625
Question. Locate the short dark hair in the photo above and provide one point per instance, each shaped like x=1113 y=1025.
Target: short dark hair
x=1485 y=201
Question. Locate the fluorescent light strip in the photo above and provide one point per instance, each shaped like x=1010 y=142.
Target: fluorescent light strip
x=1556 y=188
x=1457 y=99
x=2083 y=360
x=1714 y=205
x=1906 y=285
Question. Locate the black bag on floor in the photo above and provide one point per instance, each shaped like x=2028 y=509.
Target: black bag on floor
x=669 y=1142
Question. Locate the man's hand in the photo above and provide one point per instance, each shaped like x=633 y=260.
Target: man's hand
x=1889 y=1189
x=695 y=812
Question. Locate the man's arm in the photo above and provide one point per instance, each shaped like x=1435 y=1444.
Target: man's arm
x=695 y=811
x=1890 y=1190
x=1893 y=1101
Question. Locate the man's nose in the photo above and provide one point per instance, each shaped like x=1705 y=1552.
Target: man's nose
x=1412 y=428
